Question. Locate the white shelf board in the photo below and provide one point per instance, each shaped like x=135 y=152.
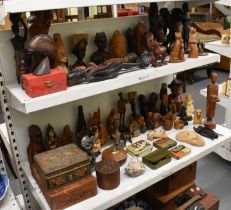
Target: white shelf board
x=11 y=205
x=4 y=135
x=28 y=5
x=128 y=185
x=224 y=100
x=217 y=47
x=20 y=101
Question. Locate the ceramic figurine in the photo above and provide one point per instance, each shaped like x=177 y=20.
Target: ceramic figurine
x=152 y=101
x=18 y=43
x=42 y=46
x=67 y=137
x=183 y=115
x=36 y=144
x=177 y=49
x=212 y=99
x=134 y=128
x=142 y=124
x=198 y=120
x=51 y=138
x=131 y=41
x=81 y=128
x=163 y=99
x=143 y=105
x=87 y=144
x=186 y=26
x=94 y=132
x=168 y=121
x=193 y=49
x=79 y=45
x=132 y=101
x=101 y=54
x=188 y=103
x=176 y=94
x=156 y=134
x=62 y=56
x=135 y=167
x=140 y=29
x=117 y=45
x=41 y=21
x=121 y=105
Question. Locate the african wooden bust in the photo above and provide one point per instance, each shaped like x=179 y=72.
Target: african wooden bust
x=140 y=29
x=117 y=45
x=79 y=45
x=100 y=55
x=36 y=144
x=177 y=49
x=212 y=99
x=193 y=48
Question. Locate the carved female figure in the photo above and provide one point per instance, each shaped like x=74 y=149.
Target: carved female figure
x=193 y=49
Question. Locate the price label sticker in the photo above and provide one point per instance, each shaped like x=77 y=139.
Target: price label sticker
x=3 y=13
x=145 y=77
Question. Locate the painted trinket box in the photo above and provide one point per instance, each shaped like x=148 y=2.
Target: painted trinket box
x=45 y=84
x=62 y=165
x=164 y=143
x=180 y=151
x=139 y=148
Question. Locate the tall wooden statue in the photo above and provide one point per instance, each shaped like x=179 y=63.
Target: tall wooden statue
x=212 y=99
x=193 y=48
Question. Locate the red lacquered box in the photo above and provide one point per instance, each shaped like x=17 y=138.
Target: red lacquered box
x=42 y=85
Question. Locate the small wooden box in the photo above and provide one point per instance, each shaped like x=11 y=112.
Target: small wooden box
x=139 y=148
x=177 y=180
x=62 y=165
x=46 y=84
x=68 y=195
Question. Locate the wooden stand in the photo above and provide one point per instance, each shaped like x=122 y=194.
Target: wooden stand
x=69 y=195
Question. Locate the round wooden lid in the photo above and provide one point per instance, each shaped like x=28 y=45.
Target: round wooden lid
x=107 y=166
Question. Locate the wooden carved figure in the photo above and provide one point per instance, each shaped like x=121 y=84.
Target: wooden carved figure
x=186 y=26
x=101 y=54
x=79 y=45
x=154 y=120
x=121 y=104
x=188 y=103
x=153 y=17
x=117 y=45
x=18 y=43
x=163 y=99
x=131 y=40
x=142 y=124
x=159 y=51
x=152 y=102
x=67 y=137
x=134 y=128
x=143 y=105
x=81 y=128
x=62 y=58
x=177 y=49
x=212 y=99
x=94 y=134
x=201 y=48
x=168 y=121
x=36 y=144
x=140 y=29
x=198 y=117
x=132 y=100
x=193 y=49
x=51 y=138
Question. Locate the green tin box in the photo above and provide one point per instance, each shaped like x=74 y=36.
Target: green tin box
x=156 y=159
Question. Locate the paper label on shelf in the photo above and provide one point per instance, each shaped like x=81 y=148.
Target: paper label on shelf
x=3 y=13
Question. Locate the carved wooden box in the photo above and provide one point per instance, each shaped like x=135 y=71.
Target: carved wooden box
x=61 y=166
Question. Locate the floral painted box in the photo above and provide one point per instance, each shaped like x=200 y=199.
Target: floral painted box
x=45 y=84
x=62 y=165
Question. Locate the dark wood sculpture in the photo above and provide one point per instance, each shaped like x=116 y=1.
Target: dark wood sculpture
x=193 y=49
x=176 y=94
x=36 y=144
x=153 y=18
x=177 y=49
x=168 y=121
x=121 y=105
x=101 y=54
x=67 y=137
x=159 y=51
x=117 y=45
x=201 y=48
x=50 y=138
x=186 y=26
x=18 y=43
x=183 y=115
x=131 y=40
x=165 y=22
x=62 y=56
x=140 y=29
x=163 y=99
x=79 y=45
x=41 y=21
x=143 y=105
x=132 y=100
x=212 y=99
x=81 y=128
x=152 y=102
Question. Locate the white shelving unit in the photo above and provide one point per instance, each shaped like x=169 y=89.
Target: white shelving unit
x=60 y=108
